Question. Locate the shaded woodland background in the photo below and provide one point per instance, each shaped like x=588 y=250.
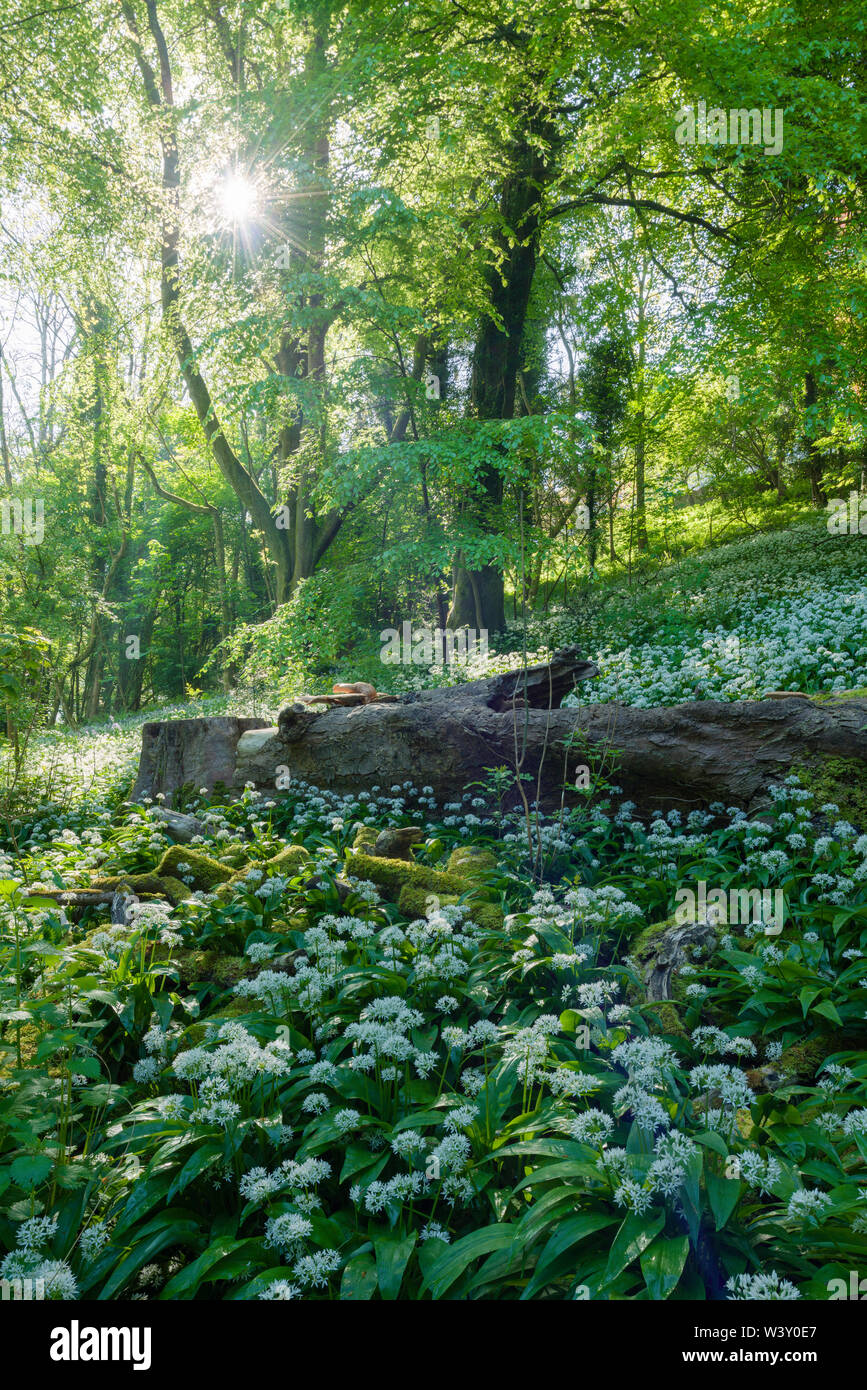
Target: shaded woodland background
x=319 y=317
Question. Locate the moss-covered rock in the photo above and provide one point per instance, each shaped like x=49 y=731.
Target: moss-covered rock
x=471 y=861
x=205 y=872
x=289 y=862
x=235 y=858
x=840 y=780
x=834 y=696
x=206 y=967
x=803 y=1060
x=413 y=902
x=233 y=1008
x=645 y=949
x=148 y=885
x=665 y=1013
x=365 y=837
x=392 y=874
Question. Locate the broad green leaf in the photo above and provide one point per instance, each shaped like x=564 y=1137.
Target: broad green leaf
x=30 y=1170
x=186 y=1281
x=567 y=1235
x=662 y=1265
x=197 y=1163
x=458 y=1256
x=723 y=1195
x=714 y=1141
x=174 y=1227
x=634 y=1236
x=359 y=1278
x=828 y=1010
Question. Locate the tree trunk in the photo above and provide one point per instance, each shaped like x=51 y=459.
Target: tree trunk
x=4 y=443
x=478 y=596
x=478 y=599
x=640 y=422
x=160 y=97
x=815 y=462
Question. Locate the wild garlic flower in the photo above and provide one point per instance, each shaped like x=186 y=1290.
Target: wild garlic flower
x=317 y=1268
x=434 y=1231
x=633 y=1196
x=770 y=1287
x=808 y=1205
x=280 y=1289
x=593 y=1128
x=286 y=1232
x=760 y=1173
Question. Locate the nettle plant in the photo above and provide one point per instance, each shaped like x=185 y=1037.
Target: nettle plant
x=286 y=1091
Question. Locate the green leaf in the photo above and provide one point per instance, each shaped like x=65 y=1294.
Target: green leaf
x=568 y=1234
x=458 y=1256
x=662 y=1265
x=634 y=1236
x=723 y=1195
x=827 y=1010
x=86 y=1066
x=392 y=1255
x=690 y=1194
x=174 y=1227
x=30 y=1170
x=713 y=1141
x=186 y=1281
x=359 y=1278
x=359 y=1159
x=197 y=1163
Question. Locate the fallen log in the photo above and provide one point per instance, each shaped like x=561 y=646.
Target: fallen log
x=683 y=755
x=194 y=752
x=74 y=897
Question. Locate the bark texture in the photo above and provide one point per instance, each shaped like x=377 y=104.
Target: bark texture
x=198 y=752
x=683 y=755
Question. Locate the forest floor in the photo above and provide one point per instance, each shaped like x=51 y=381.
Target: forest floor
x=256 y=1086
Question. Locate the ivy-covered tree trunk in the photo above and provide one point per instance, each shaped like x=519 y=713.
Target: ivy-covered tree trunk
x=640 y=357
x=815 y=462
x=478 y=590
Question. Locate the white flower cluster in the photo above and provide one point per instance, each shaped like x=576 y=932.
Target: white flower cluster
x=223 y=1075
x=796 y=615
x=28 y=1260
x=766 y=1288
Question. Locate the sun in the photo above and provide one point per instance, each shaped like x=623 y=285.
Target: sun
x=238 y=197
